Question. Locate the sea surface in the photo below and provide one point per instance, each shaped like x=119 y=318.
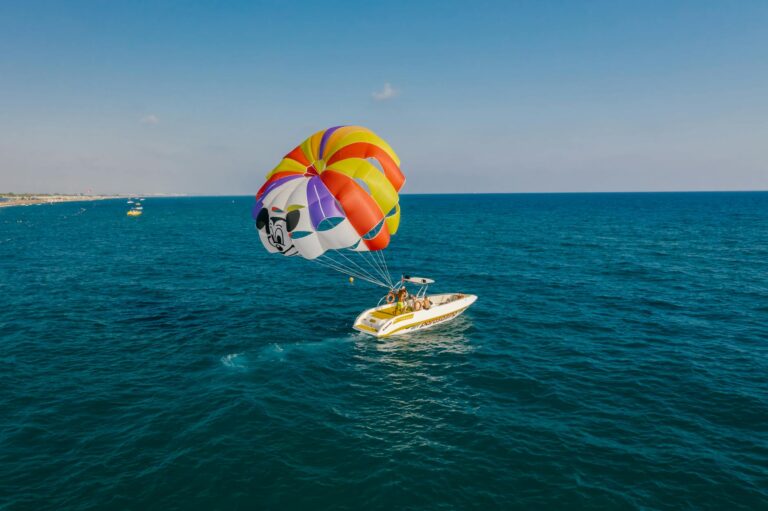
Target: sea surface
x=617 y=358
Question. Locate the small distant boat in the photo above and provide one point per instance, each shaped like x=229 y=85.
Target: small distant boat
x=142 y=200
x=129 y=202
x=133 y=212
x=416 y=312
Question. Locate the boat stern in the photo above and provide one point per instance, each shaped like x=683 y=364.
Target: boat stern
x=377 y=321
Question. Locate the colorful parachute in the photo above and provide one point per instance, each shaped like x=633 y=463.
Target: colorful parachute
x=337 y=190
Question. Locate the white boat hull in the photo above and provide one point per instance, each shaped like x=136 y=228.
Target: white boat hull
x=383 y=322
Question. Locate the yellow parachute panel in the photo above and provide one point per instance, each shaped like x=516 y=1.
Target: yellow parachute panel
x=379 y=187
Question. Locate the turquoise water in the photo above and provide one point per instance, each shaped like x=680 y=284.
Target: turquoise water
x=616 y=359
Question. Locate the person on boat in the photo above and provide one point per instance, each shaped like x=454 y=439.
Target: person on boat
x=402 y=295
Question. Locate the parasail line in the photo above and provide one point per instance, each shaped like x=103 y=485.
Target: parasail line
x=370 y=262
x=365 y=271
x=383 y=261
x=362 y=273
x=374 y=259
x=386 y=267
x=341 y=269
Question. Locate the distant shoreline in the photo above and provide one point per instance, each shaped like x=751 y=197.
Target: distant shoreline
x=32 y=200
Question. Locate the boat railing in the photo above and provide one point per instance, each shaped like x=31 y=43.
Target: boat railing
x=420 y=294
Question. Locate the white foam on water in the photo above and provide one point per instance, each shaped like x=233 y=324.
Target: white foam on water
x=272 y=352
x=233 y=360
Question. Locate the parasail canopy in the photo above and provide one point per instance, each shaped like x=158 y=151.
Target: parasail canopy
x=336 y=191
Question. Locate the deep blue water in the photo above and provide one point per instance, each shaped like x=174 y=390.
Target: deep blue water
x=616 y=359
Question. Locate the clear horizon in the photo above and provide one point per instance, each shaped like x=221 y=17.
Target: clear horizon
x=204 y=99
x=172 y=195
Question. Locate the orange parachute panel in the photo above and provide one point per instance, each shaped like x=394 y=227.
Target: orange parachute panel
x=367 y=150
x=361 y=210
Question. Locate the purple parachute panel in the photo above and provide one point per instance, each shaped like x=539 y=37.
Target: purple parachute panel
x=322 y=205
x=325 y=138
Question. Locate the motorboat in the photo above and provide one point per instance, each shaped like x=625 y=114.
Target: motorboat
x=134 y=212
x=400 y=312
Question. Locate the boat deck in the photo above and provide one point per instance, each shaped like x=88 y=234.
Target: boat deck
x=386 y=313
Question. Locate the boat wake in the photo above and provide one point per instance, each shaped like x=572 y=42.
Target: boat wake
x=234 y=361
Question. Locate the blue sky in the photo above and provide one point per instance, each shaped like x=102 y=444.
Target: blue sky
x=206 y=97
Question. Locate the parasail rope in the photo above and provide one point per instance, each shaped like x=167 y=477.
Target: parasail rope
x=371 y=261
x=360 y=268
x=346 y=271
x=329 y=261
x=377 y=262
x=380 y=260
x=383 y=258
x=386 y=268
x=340 y=267
x=379 y=256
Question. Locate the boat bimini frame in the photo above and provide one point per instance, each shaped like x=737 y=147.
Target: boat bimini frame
x=420 y=294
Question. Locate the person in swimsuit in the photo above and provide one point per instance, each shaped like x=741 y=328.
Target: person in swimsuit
x=402 y=295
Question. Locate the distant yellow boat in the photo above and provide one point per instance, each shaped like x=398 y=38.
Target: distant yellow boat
x=133 y=212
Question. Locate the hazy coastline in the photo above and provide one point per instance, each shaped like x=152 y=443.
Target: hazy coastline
x=8 y=200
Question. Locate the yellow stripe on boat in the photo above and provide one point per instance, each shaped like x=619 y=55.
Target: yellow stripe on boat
x=366 y=328
x=428 y=320
x=389 y=314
